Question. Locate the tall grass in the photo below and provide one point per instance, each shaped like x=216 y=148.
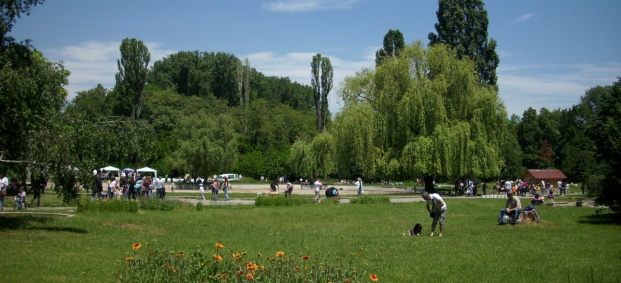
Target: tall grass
x=572 y=244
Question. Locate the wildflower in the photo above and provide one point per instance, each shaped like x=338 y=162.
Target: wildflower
x=244 y=253
x=373 y=277
x=217 y=257
x=305 y=257
x=259 y=254
x=129 y=259
x=219 y=246
x=249 y=276
x=280 y=254
x=250 y=266
x=136 y=246
x=347 y=280
x=297 y=267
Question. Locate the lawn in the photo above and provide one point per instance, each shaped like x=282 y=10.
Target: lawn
x=572 y=244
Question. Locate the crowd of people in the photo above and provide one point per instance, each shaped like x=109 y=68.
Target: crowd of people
x=128 y=186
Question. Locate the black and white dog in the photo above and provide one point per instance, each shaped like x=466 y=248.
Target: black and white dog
x=416 y=231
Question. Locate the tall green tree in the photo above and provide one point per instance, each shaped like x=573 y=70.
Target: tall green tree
x=91 y=102
x=132 y=76
x=321 y=81
x=393 y=44
x=447 y=124
x=462 y=24
x=606 y=133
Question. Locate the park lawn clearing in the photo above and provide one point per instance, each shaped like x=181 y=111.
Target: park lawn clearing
x=572 y=244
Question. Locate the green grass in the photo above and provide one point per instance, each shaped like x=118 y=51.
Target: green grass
x=571 y=244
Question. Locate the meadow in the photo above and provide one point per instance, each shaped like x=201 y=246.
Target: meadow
x=572 y=244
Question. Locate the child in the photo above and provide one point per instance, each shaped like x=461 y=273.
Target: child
x=20 y=199
x=202 y=191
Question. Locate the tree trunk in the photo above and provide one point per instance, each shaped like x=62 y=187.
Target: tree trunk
x=429 y=184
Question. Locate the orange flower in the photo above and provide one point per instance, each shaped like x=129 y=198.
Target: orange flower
x=297 y=267
x=280 y=254
x=136 y=246
x=259 y=254
x=305 y=257
x=129 y=259
x=373 y=277
x=219 y=246
x=347 y=280
x=217 y=257
x=249 y=276
x=250 y=266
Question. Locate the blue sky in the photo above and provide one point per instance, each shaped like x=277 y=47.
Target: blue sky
x=550 y=51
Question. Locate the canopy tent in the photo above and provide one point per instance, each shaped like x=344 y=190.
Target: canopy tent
x=147 y=169
x=112 y=168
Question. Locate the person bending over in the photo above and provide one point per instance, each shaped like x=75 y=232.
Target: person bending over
x=437 y=210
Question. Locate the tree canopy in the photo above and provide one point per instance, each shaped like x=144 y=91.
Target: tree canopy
x=462 y=24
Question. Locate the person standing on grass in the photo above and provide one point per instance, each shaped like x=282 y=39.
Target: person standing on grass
x=513 y=207
x=359 y=186
x=484 y=187
x=215 y=188
x=97 y=187
x=159 y=187
x=317 y=185
x=288 y=189
x=437 y=210
x=36 y=190
x=4 y=184
x=225 y=188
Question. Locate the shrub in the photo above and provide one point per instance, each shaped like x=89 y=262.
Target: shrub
x=107 y=206
x=369 y=199
x=199 y=206
x=159 y=204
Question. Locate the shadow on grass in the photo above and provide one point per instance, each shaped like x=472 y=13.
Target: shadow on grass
x=601 y=218
x=14 y=222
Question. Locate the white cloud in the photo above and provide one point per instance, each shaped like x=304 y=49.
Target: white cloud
x=297 y=67
x=551 y=86
x=95 y=62
x=295 y=6
x=523 y=17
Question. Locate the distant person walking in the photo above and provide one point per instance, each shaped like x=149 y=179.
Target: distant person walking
x=215 y=188
x=202 y=189
x=317 y=186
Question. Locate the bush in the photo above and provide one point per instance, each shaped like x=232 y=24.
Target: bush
x=199 y=206
x=369 y=199
x=107 y=206
x=159 y=204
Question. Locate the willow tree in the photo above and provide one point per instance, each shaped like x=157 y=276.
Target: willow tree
x=356 y=154
x=313 y=158
x=433 y=117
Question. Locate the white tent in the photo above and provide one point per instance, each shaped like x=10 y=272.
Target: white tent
x=112 y=168
x=147 y=169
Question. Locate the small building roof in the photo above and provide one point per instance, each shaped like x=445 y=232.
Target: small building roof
x=546 y=174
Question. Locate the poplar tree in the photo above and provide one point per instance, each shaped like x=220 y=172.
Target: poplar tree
x=321 y=82
x=462 y=24
x=132 y=76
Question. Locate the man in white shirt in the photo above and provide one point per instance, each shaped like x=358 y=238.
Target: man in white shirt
x=437 y=210
x=4 y=184
x=318 y=186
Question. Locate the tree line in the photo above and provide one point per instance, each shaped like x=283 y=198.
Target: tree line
x=430 y=112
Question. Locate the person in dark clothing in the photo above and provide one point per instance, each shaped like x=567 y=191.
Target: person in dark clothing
x=97 y=187
x=36 y=190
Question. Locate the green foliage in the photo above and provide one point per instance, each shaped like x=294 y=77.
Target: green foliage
x=367 y=199
x=131 y=78
x=91 y=102
x=321 y=81
x=31 y=93
x=200 y=206
x=462 y=24
x=154 y=203
x=393 y=45
x=606 y=133
x=11 y=10
x=431 y=116
x=108 y=206
x=279 y=200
